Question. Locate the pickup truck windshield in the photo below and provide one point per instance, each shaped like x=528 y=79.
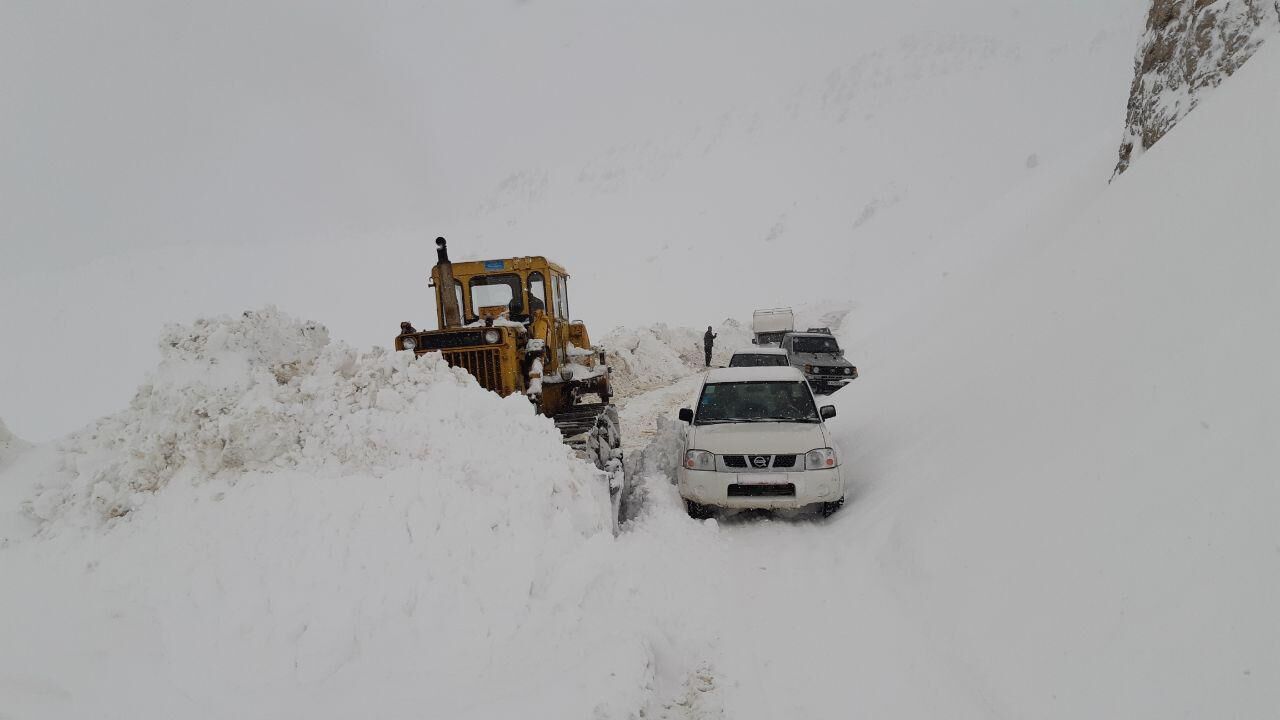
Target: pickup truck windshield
x=815 y=345
x=758 y=360
x=773 y=401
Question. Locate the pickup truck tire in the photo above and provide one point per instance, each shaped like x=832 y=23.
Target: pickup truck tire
x=697 y=511
x=829 y=508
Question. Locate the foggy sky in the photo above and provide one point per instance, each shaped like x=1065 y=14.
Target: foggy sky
x=686 y=160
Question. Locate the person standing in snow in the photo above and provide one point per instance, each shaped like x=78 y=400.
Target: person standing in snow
x=708 y=341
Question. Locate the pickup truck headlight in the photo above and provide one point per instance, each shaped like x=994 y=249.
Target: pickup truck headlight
x=820 y=459
x=409 y=343
x=699 y=460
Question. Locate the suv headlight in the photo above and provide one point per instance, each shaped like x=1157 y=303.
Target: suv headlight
x=409 y=343
x=492 y=336
x=808 y=369
x=820 y=459
x=848 y=371
x=699 y=460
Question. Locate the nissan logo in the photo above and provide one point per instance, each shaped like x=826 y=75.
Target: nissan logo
x=760 y=461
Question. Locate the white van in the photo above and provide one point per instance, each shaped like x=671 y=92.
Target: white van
x=770 y=324
x=757 y=439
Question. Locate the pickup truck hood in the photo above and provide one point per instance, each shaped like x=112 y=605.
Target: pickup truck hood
x=771 y=438
x=824 y=359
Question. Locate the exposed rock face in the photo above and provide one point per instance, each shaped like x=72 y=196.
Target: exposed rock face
x=1188 y=46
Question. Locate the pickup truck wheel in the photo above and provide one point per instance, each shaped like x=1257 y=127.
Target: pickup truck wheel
x=829 y=508
x=698 y=511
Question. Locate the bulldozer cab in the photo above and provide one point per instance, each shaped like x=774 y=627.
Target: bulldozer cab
x=507 y=323
x=513 y=289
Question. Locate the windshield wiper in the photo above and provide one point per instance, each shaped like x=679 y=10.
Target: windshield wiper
x=778 y=418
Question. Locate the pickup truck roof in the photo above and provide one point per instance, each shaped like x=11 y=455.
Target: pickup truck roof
x=754 y=374
x=810 y=334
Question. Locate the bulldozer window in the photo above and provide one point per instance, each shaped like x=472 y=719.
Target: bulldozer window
x=562 y=297
x=490 y=290
x=537 y=292
x=457 y=288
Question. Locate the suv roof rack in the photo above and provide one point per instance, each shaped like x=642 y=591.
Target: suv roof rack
x=823 y=330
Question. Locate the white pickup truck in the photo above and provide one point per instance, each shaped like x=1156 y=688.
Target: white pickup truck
x=757 y=439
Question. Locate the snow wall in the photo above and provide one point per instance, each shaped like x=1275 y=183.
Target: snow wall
x=274 y=513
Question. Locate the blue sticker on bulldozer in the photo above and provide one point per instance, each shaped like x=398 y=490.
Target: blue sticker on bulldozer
x=494 y=264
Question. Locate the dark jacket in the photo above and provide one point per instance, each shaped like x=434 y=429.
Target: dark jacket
x=709 y=339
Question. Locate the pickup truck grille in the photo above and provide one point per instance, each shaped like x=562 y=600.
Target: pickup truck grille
x=833 y=370
x=784 y=461
x=758 y=463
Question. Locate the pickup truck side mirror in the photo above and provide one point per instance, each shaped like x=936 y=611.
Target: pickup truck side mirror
x=827 y=412
x=687 y=415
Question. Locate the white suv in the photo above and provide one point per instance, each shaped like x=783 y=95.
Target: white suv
x=760 y=357
x=757 y=440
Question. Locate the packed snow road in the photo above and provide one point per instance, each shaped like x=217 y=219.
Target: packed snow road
x=771 y=615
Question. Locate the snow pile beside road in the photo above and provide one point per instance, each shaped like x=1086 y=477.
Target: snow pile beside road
x=280 y=526
x=262 y=392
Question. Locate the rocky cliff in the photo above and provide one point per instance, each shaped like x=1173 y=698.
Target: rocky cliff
x=1189 y=46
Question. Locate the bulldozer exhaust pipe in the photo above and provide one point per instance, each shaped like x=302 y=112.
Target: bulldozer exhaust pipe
x=445 y=288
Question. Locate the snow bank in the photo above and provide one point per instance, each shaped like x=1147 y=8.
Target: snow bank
x=651 y=357
x=280 y=525
x=263 y=392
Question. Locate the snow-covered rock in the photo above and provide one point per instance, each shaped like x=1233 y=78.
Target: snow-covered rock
x=1189 y=47
x=10 y=444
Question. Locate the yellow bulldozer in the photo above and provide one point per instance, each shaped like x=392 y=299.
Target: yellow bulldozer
x=506 y=322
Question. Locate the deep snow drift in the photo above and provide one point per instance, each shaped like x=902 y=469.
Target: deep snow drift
x=274 y=513
x=1069 y=457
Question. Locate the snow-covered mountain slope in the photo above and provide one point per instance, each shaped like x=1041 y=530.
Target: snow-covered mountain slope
x=1068 y=462
x=1064 y=498
x=686 y=161
x=1062 y=446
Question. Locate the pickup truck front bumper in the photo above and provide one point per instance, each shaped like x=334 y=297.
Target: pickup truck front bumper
x=774 y=490
x=827 y=384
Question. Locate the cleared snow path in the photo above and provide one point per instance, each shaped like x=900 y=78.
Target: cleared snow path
x=759 y=616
